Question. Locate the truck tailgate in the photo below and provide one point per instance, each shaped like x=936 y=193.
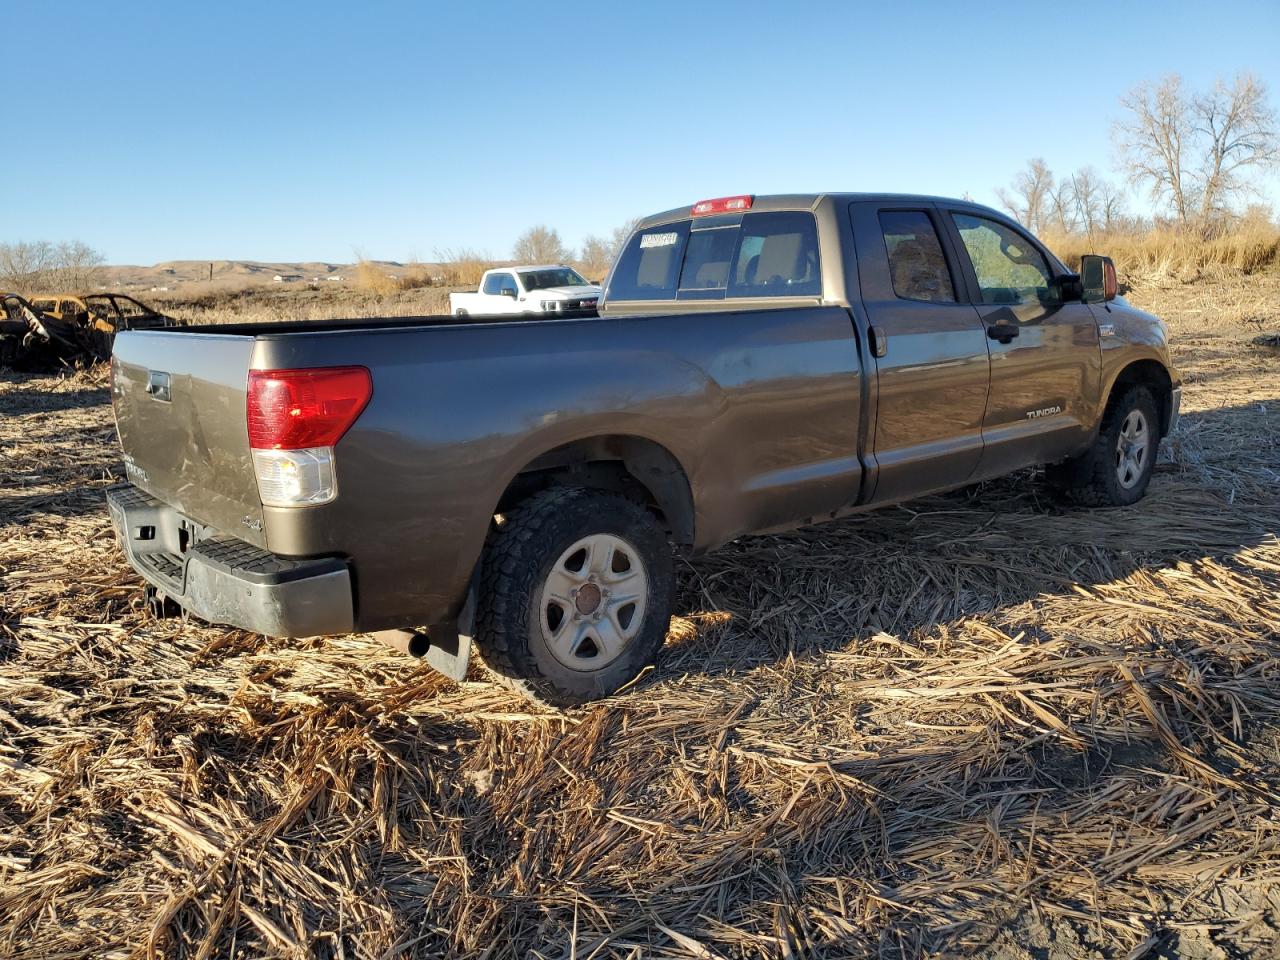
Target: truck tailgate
x=180 y=408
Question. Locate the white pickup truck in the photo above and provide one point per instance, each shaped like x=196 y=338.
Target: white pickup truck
x=527 y=290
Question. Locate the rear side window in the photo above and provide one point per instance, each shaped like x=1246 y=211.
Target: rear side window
x=777 y=257
x=1008 y=267
x=916 y=262
x=649 y=267
x=766 y=255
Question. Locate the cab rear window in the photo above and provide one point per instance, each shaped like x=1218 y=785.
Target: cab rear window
x=762 y=255
x=650 y=266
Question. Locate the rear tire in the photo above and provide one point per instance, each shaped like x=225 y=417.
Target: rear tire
x=575 y=595
x=1116 y=470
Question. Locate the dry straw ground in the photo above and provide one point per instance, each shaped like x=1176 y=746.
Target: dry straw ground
x=979 y=724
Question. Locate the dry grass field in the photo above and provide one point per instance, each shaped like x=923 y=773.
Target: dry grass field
x=977 y=725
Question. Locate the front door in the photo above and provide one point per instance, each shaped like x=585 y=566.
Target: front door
x=931 y=364
x=495 y=285
x=1046 y=358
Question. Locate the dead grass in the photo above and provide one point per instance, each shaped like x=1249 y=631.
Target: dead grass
x=1167 y=254
x=373 y=278
x=463 y=267
x=404 y=298
x=980 y=724
x=418 y=275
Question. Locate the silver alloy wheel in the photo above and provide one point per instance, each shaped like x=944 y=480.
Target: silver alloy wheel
x=592 y=603
x=1132 y=449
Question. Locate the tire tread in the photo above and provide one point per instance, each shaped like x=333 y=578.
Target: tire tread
x=1088 y=479
x=506 y=583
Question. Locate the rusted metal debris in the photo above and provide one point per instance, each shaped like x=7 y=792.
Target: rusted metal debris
x=67 y=330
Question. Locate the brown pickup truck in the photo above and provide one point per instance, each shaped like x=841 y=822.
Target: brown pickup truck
x=758 y=363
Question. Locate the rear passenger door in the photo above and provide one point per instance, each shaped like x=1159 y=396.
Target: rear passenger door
x=930 y=352
x=1046 y=358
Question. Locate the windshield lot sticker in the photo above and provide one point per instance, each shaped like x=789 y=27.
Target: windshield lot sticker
x=658 y=240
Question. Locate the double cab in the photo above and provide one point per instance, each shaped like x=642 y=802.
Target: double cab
x=757 y=363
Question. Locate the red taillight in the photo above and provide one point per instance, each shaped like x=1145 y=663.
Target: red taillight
x=722 y=205
x=1109 y=285
x=293 y=409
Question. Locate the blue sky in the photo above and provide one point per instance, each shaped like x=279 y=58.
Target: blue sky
x=283 y=131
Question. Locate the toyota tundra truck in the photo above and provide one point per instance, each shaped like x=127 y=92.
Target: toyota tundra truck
x=556 y=290
x=757 y=364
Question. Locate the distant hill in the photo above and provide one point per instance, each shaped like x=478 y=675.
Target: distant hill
x=230 y=274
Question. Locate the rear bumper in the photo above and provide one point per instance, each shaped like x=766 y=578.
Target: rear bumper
x=227 y=581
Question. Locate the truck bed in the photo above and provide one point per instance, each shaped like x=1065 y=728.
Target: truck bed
x=346 y=324
x=760 y=410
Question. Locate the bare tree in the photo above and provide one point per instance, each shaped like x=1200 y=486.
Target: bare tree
x=24 y=264
x=1086 y=196
x=1259 y=214
x=1238 y=129
x=78 y=266
x=1027 y=199
x=35 y=266
x=1061 y=206
x=540 y=244
x=1153 y=141
x=1111 y=205
x=620 y=236
x=596 y=257
x=1192 y=152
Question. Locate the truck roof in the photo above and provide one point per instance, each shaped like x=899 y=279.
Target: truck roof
x=528 y=267
x=808 y=201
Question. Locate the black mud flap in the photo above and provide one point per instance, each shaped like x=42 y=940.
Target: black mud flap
x=449 y=651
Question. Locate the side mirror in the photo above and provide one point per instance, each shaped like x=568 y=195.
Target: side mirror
x=1097 y=278
x=1069 y=287
x=508 y=292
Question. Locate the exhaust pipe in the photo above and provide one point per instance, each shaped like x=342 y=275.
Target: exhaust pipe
x=411 y=642
x=445 y=646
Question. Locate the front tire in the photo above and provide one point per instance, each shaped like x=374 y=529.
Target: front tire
x=575 y=595
x=1116 y=470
